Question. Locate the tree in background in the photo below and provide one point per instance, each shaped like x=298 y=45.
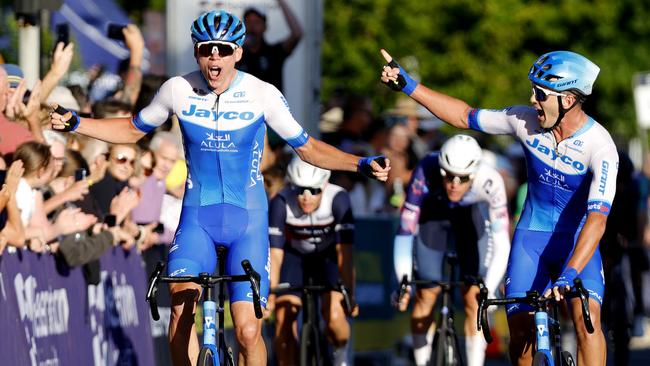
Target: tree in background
x=481 y=51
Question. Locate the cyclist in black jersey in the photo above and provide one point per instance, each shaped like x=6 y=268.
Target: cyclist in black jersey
x=311 y=229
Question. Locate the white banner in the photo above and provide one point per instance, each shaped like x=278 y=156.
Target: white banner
x=642 y=99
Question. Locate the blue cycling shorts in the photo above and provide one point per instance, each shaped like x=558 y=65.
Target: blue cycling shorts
x=244 y=232
x=537 y=258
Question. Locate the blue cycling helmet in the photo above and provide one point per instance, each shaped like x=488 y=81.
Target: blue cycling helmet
x=218 y=25
x=564 y=70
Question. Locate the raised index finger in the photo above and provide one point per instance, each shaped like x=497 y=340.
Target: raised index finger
x=387 y=57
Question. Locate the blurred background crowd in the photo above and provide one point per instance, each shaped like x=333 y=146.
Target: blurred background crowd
x=76 y=197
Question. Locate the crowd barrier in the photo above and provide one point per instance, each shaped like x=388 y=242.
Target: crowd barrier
x=50 y=317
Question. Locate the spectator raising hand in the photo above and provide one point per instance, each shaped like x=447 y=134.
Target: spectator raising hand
x=61 y=60
x=72 y=220
x=123 y=203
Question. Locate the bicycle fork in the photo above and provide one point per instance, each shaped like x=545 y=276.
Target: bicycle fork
x=210 y=328
x=543 y=335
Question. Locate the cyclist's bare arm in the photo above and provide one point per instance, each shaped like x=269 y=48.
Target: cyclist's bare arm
x=114 y=130
x=326 y=156
x=449 y=109
x=588 y=240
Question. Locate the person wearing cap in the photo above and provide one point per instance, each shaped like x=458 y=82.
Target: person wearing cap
x=13 y=134
x=572 y=166
x=223 y=114
x=266 y=61
x=453 y=200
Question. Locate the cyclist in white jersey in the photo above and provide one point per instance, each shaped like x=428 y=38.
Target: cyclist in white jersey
x=223 y=115
x=572 y=165
x=452 y=198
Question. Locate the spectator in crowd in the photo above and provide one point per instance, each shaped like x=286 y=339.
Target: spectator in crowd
x=39 y=171
x=399 y=150
x=12 y=106
x=152 y=190
x=260 y=58
x=11 y=227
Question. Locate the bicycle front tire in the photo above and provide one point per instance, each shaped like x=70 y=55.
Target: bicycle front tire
x=310 y=354
x=541 y=359
x=567 y=359
x=445 y=349
x=206 y=357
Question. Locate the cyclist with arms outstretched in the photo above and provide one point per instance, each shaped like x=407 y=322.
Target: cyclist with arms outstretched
x=311 y=230
x=223 y=115
x=452 y=198
x=572 y=165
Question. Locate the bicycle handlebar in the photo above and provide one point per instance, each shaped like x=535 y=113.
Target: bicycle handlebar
x=204 y=280
x=534 y=299
x=348 y=302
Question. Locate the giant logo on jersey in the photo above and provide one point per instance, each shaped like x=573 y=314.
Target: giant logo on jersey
x=214 y=115
x=537 y=145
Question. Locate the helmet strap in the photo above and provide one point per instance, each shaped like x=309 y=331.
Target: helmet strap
x=561 y=112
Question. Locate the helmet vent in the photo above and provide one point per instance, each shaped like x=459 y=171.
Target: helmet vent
x=547 y=67
x=550 y=77
x=542 y=60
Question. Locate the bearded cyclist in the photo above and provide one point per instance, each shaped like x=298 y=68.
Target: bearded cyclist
x=223 y=115
x=452 y=198
x=572 y=165
x=311 y=231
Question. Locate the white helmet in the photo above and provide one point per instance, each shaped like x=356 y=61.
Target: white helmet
x=460 y=155
x=303 y=174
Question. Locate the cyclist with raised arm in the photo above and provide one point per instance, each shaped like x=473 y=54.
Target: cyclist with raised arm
x=223 y=115
x=452 y=198
x=572 y=165
x=311 y=230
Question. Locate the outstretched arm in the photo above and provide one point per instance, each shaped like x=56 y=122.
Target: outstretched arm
x=114 y=130
x=449 y=109
x=294 y=27
x=326 y=156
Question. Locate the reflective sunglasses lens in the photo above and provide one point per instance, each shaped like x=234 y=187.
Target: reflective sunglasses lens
x=222 y=49
x=540 y=95
x=311 y=190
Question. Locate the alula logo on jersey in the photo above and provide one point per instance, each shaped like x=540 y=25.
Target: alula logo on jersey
x=215 y=142
x=554 y=179
x=214 y=115
x=537 y=145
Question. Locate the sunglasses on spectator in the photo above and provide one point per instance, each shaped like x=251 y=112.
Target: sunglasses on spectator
x=300 y=191
x=541 y=94
x=223 y=49
x=123 y=159
x=451 y=177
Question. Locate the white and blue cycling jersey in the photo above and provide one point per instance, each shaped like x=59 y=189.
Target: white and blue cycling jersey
x=225 y=202
x=566 y=181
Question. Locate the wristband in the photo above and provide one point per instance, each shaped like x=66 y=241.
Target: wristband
x=404 y=82
x=72 y=124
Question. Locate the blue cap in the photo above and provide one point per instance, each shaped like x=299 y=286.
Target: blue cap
x=14 y=74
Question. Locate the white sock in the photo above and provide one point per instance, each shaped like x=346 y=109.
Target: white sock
x=422 y=348
x=475 y=347
x=341 y=356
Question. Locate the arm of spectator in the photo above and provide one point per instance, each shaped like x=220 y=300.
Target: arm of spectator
x=79 y=252
x=74 y=193
x=69 y=221
x=123 y=203
x=147 y=238
x=133 y=79
x=60 y=65
x=14 y=232
x=17 y=110
x=294 y=27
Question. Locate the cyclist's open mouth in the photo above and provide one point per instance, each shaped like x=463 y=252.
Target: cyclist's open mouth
x=540 y=115
x=214 y=72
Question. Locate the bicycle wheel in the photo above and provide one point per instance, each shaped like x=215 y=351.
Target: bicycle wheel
x=567 y=359
x=310 y=354
x=541 y=359
x=206 y=357
x=445 y=349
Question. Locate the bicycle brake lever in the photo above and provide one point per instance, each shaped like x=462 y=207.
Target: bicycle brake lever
x=254 y=279
x=584 y=302
x=403 y=286
x=482 y=322
x=346 y=298
x=153 y=289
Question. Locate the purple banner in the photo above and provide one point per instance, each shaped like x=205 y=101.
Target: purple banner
x=49 y=316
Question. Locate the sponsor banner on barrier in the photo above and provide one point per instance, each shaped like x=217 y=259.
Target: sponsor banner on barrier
x=51 y=317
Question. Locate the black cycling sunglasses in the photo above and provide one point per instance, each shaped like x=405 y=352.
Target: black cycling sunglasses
x=450 y=177
x=301 y=190
x=223 y=49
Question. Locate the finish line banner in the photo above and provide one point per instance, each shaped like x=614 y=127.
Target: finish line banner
x=50 y=317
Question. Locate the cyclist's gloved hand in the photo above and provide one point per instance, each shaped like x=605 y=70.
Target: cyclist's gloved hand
x=61 y=123
x=563 y=283
x=365 y=167
x=402 y=82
